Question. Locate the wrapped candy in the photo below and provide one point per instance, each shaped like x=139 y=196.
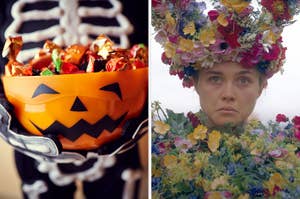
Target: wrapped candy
x=52 y=59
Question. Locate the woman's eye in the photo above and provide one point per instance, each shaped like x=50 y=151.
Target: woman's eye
x=215 y=79
x=244 y=81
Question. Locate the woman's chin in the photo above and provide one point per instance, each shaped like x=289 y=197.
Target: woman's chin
x=224 y=121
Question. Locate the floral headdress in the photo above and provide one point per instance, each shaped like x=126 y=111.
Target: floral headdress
x=242 y=31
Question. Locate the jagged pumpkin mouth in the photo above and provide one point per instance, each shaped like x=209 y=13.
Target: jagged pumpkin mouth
x=82 y=127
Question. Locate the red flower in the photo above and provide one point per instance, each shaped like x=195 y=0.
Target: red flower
x=281 y=118
x=180 y=74
x=155 y=3
x=278 y=8
x=273 y=54
x=213 y=15
x=187 y=83
x=165 y=59
x=231 y=33
x=296 y=120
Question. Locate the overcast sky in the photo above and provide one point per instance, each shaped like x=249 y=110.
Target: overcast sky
x=281 y=96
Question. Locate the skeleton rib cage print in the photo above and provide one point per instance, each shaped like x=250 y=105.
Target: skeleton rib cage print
x=67 y=22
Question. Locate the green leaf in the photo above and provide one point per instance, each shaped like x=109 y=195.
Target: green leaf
x=179 y=124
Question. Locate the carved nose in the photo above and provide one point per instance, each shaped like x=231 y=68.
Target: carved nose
x=78 y=106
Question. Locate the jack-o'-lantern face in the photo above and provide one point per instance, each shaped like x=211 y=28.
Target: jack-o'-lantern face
x=85 y=111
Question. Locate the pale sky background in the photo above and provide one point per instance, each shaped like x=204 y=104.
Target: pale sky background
x=281 y=96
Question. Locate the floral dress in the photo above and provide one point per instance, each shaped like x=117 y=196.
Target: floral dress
x=190 y=160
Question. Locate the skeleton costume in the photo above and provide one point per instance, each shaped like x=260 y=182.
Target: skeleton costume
x=113 y=170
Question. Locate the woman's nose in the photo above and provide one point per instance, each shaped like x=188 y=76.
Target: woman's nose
x=228 y=93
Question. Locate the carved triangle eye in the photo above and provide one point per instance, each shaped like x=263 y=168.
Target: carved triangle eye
x=115 y=88
x=43 y=89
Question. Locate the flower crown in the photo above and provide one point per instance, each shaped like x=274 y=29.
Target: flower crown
x=238 y=31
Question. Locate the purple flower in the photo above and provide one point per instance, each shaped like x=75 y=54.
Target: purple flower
x=156 y=183
x=220 y=47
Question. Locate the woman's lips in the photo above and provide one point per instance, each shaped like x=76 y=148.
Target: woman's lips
x=227 y=110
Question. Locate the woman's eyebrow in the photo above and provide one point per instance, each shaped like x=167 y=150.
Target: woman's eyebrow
x=244 y=72
x=213 y=72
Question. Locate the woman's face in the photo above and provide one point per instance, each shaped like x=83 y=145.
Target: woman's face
x=228 y=92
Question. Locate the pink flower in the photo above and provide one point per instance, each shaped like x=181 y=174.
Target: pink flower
x=184 y=3
x=173 y=38
x=296 y=120
x=183 y=144
x=173 y=72
x=297 y=134
x=213 y=15
x=281 y=118
x=162 y=147
x=280 y=137
x=278 y=153
x=248 y=10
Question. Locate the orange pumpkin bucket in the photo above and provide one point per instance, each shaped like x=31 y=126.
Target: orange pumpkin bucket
x=84 y=110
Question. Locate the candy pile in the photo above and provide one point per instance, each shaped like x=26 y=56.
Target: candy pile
x=52 y=59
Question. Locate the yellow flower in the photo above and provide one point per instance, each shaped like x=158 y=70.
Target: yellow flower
x=254 y=123
x=255 y=151
x=222 y=20
x=237 y=157
x=155 y=195
x=218 y=181
x=269 y=37
x=237 y=5
x=215 y=195
x=214 y=140
x=205 y=185
x=275 y=180
x=282 y=164
x=198 y=164
x=161 y=127
x=200 y=132
x=170 y=20
x=245 y=196
x=186 y=44
x=207 y=36
x=170 y=49
x=191 y=138
x=170 y=161
x=189 y=28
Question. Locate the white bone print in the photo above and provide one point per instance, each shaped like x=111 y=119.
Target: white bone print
x=70 y=28
x=34 y=190
x=130 y=176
